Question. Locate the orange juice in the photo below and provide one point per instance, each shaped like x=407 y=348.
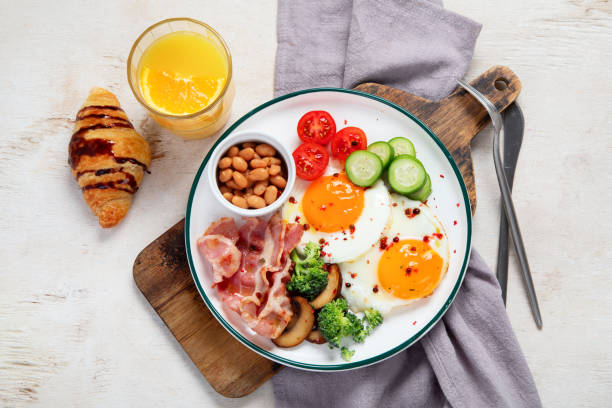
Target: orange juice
x=180 y=70
x=182 y=73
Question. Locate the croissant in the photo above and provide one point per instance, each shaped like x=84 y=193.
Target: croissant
x=107 y=156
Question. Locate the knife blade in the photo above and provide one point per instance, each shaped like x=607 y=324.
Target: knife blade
x=514 y=126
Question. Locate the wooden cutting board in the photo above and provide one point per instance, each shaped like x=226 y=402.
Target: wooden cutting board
x=162 y=274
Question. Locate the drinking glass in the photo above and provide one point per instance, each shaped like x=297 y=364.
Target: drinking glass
x=210 y=119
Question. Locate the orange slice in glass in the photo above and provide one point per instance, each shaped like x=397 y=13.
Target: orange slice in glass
x=178 y=94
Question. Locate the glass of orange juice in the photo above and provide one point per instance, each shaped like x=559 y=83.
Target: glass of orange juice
x=180 y=69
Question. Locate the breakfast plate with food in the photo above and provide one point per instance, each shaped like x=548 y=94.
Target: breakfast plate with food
x=328 y=229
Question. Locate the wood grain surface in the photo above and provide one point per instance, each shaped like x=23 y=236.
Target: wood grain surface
x=162 y=274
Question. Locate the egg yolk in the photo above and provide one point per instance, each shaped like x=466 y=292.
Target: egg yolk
x=332 y=203
x=410 y=269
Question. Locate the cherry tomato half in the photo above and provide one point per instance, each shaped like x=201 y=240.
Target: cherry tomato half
x=346 y=141
x=316 y=127
x=310 y=160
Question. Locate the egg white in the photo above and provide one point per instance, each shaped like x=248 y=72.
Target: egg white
x=362 y=273
x=343 y=246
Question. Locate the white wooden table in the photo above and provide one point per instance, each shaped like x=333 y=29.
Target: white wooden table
x=74 y=329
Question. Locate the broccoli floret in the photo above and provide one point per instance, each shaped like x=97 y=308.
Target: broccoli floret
x=333 y=322
x=373 y=318
x=312 y=251
x=357 y=331
x=347 y=354
x=308 y=277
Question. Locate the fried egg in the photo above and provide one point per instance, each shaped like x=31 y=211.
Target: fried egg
x=406 y=264
x=346 y=220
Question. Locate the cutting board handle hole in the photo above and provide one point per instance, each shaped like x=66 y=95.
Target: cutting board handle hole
x=501 y=84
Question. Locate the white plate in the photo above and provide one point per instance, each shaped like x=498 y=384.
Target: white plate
x=380 y=120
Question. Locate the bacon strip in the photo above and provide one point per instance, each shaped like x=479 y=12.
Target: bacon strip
x=224 y=226
x=274 y=243
x=256 y=288
x=277 y=312
x=252 y=243
x=252 y=234
x=222 y=255
x=293 y=235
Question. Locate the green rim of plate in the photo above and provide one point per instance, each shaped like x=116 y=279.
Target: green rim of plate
x=348 y=365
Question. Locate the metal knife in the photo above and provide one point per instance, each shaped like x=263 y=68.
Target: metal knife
x=514 y=125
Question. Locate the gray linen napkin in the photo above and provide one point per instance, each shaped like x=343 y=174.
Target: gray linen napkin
x=412 y=45
x=471 y=358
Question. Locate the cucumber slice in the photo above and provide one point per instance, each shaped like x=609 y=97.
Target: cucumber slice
x=406 y=174
x=401 y=145
x=422 y=193
x=363 y=168
x=384 y=151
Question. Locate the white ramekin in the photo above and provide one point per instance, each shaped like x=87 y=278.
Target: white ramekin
x=256 y=137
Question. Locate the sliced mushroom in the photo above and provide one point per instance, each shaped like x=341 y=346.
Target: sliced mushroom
x=331 y=290
x=316 y=337
x=300 y=325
